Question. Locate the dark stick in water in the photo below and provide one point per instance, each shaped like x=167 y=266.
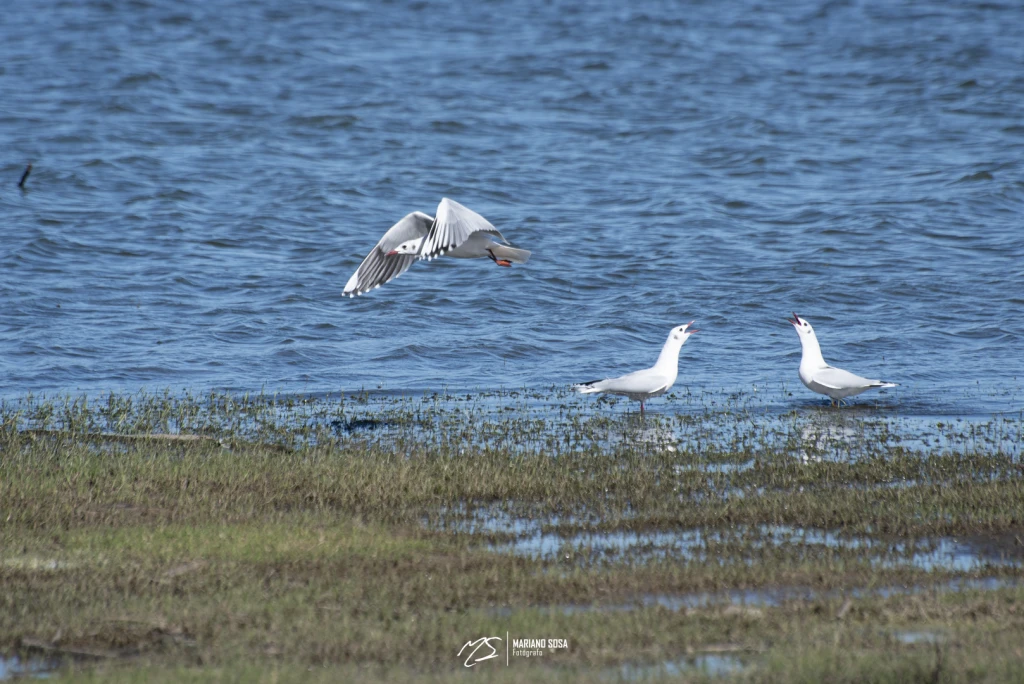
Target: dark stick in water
x=24 y=176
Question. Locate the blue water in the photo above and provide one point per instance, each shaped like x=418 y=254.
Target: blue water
x=207 y=176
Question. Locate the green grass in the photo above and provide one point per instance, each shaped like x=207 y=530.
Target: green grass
x=370 y=539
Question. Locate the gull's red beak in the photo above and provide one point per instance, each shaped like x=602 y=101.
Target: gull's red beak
x=795 y=320
x=690 y=332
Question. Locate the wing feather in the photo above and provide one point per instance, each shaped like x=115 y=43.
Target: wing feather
x=839 y=379
x=452 y=226
x=378 y=268
x=637 y=382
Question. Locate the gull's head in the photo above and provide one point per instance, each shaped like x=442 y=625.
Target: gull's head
x=682 y=332
x=803 y=328
x=411 y=247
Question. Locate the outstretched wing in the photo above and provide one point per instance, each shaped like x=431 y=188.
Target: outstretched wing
x=453 y=226
x=378 y=268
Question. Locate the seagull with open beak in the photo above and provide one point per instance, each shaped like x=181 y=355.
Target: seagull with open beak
x=822 y=378
x=651 y=382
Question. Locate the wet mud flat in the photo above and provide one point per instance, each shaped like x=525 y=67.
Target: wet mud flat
x=372 y=536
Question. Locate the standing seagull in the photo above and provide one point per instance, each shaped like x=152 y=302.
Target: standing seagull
x=456 y=231
x=641 y=385
x=822 y=378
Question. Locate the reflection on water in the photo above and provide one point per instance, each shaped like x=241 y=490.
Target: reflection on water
x=823 y=438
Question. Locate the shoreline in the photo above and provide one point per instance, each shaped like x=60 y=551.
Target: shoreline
x=289 y=535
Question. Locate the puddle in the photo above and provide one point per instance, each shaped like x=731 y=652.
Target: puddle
x=648 y=545
x=952 y=554
x=707 y=664
x=13 y=667
x=542 y=539
x=918 y=637
x=748 y=601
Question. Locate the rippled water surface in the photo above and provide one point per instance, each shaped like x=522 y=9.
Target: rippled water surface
x=206 y=177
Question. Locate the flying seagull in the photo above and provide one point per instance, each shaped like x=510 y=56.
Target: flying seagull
x=641 y=385
x=456 y=231
x=822 y=378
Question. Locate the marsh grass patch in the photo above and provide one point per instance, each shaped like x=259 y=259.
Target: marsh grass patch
x=297 y=537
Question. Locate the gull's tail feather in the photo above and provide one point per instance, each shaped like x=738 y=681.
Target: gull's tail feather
x=589 y=387
x=513 y=254
x=882 y=383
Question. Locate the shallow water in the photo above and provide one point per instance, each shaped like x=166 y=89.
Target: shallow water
x=753 y=599
x=709 y=664
x=15 y=668
x=206 y=178
x=724 y=431
x=543 y=539
x=919 y=637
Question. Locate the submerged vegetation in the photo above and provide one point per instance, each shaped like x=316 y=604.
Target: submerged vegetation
x=372 y=536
